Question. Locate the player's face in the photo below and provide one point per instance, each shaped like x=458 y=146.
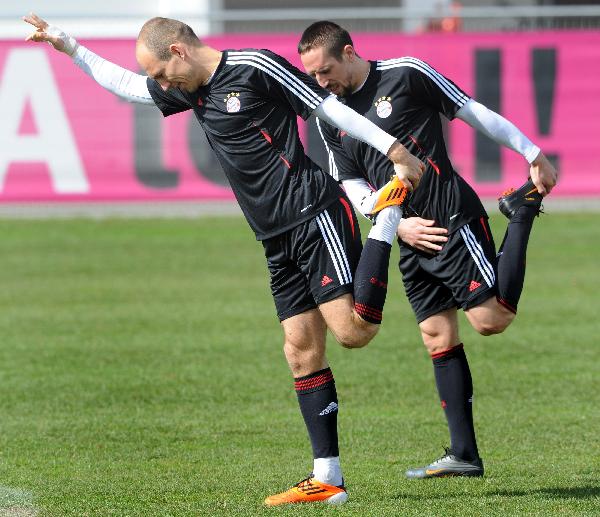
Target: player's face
x=329 y=72
x=174 y=73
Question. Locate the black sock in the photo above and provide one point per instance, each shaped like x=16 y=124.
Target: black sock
x=371 y=279
x=319 y=405
x=511 y=259
x=455 y=387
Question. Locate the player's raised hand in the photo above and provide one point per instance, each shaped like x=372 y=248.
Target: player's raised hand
x=407 y=166
x=50 y=34
x=543 y=174
x=422 y=234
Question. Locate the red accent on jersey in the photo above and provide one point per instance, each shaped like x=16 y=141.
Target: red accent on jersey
x=200 y=101
x=473 y=285
x=434 y=165
x=414 y=141
x=485 y=229
x=431 y=162
x=325 y=280
x=285 y=161
x=444 y=405
x=348 y=213
x=267 y=136
x=343 y=134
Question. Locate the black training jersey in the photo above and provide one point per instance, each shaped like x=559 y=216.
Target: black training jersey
x=248 y=111
x=405 y=97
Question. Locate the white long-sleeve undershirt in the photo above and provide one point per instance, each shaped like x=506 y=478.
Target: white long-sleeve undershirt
x=497 y=128
x=361 y=194
x=341 y=116
x=124 y=83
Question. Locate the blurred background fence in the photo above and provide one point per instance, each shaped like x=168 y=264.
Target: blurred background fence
x=62 y=138
x=114 y=18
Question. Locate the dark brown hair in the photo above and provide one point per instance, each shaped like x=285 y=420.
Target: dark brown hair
x=325 y=34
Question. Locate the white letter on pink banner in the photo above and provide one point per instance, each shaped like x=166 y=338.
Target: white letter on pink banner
x=28 y=77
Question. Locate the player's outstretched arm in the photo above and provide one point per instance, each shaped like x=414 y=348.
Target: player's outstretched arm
x=120 y=81
x=504 y=132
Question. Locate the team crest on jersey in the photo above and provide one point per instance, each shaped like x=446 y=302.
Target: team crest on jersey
x=384 y=107
x=232 y=102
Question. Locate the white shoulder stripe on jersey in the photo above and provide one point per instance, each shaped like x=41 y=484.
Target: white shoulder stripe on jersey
x=391 y=63
x=443 y=86
x=311 y=104
x=274 y=64
x=292 y=82
x=484 y=266
x=333 y=170
x=451 y=86
x=336 y=250
x=447 y=87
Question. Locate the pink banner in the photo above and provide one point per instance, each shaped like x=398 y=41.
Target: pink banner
x=64 y=138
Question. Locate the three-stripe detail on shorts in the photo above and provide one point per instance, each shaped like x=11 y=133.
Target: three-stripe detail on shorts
x=277 y=72
x=476 y=251
x=334 y=245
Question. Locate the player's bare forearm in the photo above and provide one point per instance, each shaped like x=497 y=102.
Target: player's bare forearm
x=543 y=174
x=407 y=166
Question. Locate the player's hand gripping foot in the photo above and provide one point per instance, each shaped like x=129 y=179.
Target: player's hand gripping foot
x=393 y=193
x=526 y=195
x=309 y=490
x=447 y=466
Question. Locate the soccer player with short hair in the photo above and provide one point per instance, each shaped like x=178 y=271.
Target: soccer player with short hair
x=448 y=258
x=247 y=102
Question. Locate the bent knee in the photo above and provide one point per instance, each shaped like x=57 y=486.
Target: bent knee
x=357 y=339
x=491 y=326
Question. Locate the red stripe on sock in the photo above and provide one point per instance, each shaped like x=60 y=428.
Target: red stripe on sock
x=448 y=351
x=367 y=312
x=313 y=382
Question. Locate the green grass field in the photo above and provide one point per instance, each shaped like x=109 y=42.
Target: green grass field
x=141 y=374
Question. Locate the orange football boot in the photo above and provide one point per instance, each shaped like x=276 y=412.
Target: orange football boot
x=309 y=490
x=393 y=193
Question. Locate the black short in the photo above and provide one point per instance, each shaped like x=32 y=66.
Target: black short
x=462 y=275
x=315 y=261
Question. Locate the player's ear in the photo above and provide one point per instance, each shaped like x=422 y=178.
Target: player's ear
x=348 y=52
x=177 y=50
